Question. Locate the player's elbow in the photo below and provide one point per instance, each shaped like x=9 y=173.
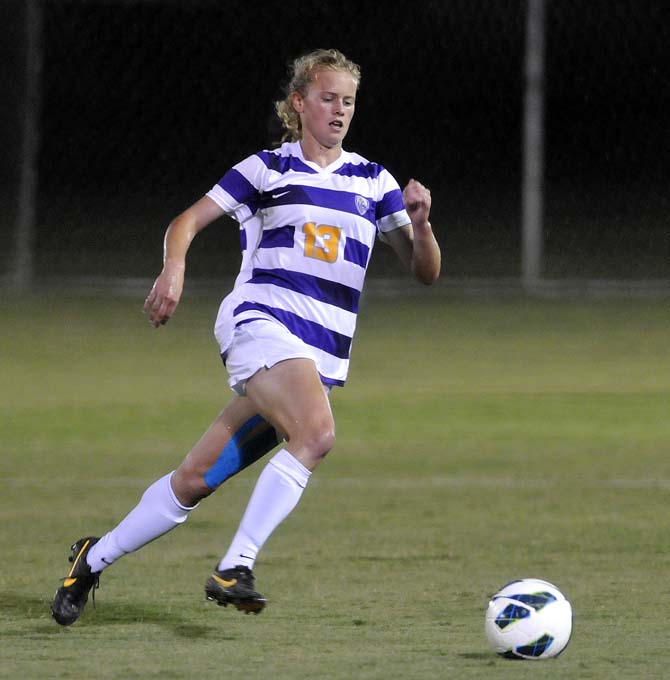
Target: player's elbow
x=427 y=275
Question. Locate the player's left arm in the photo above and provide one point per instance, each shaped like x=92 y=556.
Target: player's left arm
x=415 y=243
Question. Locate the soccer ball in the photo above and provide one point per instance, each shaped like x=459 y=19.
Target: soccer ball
x=529 y=619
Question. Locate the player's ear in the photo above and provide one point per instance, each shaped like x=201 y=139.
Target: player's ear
x=297 y=101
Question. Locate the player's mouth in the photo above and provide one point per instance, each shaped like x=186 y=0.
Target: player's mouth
x=336 y=124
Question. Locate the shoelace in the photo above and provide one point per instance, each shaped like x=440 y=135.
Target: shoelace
x=94 y=587
x=245 y=576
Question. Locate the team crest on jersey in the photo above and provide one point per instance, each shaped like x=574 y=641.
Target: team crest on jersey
x=362 y=204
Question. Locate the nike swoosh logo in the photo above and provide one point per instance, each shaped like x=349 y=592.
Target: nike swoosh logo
x=281 y=193
x=223 y=582
x=70 y=580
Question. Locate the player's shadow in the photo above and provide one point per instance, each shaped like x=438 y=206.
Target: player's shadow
x=28 y=608
x=488 y=658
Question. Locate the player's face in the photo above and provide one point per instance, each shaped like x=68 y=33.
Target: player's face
x=328 y=107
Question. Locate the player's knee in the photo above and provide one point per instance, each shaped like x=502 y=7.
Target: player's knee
x=189 y=485
x=320 y=439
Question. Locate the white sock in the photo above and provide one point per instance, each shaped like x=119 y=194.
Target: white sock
x=158 y=512
x=277 y=492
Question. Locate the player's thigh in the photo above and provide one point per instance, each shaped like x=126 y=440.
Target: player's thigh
x=292 y=397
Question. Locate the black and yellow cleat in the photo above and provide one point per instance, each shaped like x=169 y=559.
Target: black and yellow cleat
x=71 y=597
x=235 y=586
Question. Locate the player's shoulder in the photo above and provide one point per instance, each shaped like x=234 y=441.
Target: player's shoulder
x=356 y=164
x=284 y=158
x=284 y=150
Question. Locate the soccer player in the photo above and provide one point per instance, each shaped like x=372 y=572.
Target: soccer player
x=309 y=214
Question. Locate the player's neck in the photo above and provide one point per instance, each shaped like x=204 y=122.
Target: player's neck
x=319 y=154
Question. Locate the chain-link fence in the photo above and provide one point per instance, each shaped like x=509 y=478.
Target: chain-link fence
x=145 y=104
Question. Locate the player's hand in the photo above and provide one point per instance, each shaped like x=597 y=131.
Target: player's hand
x=417 y=202
x=164 y=296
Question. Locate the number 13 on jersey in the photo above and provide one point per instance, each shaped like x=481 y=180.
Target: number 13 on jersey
x=321 y=241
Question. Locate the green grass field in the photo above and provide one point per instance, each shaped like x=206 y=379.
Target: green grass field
x=478 y=441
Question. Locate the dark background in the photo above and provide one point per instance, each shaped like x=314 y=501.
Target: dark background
x=145 y=104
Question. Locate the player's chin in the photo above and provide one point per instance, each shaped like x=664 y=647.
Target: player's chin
x=336 y=135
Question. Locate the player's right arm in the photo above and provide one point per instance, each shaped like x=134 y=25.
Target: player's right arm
x=167 y=289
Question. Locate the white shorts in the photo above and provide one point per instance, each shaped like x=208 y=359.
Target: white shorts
x=260 y=344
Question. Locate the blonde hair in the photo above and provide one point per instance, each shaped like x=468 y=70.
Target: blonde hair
x=301 y=73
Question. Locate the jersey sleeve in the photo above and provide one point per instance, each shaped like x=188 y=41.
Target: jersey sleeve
x=390 y=212
x=239 y=191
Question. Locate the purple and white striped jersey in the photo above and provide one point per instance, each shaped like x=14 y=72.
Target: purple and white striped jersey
x=306 y=234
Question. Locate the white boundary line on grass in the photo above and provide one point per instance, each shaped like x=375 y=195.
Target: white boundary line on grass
x=381 y=482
